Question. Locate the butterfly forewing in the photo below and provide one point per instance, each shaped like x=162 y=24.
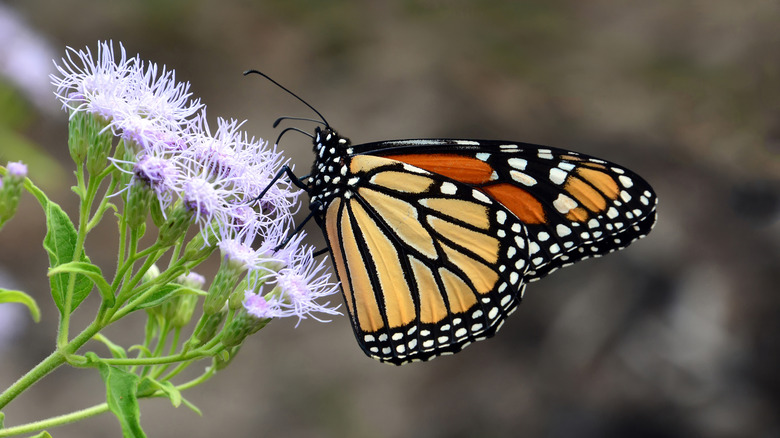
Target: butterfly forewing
x=573 y=206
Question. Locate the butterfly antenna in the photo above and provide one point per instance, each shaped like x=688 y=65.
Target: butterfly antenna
x=289 y=92
x=279 y=120
x=292 y=128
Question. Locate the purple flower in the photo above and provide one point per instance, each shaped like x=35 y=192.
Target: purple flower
x=17 y=169
x=239 y=253
x=260 y=307
x=303 y=282
x=192 y=279
x=160 y=174
x=214 y=174
x=130 y=95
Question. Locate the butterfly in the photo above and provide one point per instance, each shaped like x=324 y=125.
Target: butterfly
x=435 y=240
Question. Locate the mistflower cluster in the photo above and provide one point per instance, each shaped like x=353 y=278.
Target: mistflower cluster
x=147 y=158
x=177 y=166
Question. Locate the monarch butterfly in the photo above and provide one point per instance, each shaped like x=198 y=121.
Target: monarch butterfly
x=434 y=240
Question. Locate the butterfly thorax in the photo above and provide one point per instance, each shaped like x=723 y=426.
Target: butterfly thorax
x=328 y=178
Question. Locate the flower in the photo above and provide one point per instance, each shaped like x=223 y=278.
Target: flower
x=200 y=174
x=136 y=100
x=303 y=281
x=159 y=174
x=17 y=169
x=262 y=307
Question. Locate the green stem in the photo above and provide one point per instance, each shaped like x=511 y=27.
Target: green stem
x=42 y=369
x=190 y=355
x=163 y=279
x=55 y=421
x=101 y=209
x=81 y=236
x=161 y=340
x=198 y=380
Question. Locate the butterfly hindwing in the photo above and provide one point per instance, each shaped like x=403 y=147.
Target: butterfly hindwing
x=427 y=264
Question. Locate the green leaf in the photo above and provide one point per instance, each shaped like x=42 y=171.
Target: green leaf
x=60 y=243
x=2 y=420
x=191 y=406
x=93 y=273
x=121 y=388
x=142 y=348
x=15 y=296
x=149 y=386
x=160 y=295
x=43 y=434
x=116 y=350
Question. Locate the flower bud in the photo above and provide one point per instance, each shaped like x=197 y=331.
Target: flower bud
x=222 y=360
x=242 y=325
x=199 y=247
x=208 y=328
x=152 y=273
x=175 y=226
x=77 y=138
x=223 y=284
x=192 y=280
x=100 y=139
x=11 y=190
x=158 y=217
x=139 y=198
x=179 y=309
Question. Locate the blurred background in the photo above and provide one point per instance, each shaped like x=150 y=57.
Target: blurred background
x=676 y=336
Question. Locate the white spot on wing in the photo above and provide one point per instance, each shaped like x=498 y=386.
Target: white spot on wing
x=517 y=163
x=481 y=197
x=448 y=188
x=564 y=204
x=557 y=176
x=562 y=230
x=522 y=178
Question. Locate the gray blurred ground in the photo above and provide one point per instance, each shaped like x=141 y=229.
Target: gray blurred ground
x=677 y=336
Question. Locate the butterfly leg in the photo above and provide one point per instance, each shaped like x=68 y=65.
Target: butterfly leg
x=285 y=170
x=299 y=227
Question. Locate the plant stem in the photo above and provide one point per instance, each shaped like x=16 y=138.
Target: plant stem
x=55 y=421
x=42 y=369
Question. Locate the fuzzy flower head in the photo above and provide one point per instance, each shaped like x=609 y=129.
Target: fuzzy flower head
x=262 y=307
x=159 y=174
x=239 y=253
x=303 y=282
x=17 y=169
x=210 y=175
x=132 y=96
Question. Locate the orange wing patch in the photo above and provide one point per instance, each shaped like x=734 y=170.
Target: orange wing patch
x=524 y=205
x=589 y=197
x=351 y=268
x=432 y=307
x=399 y=307
x=464 y=169
x=601 y=181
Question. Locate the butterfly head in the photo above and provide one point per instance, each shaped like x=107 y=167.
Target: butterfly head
x=327 y=138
